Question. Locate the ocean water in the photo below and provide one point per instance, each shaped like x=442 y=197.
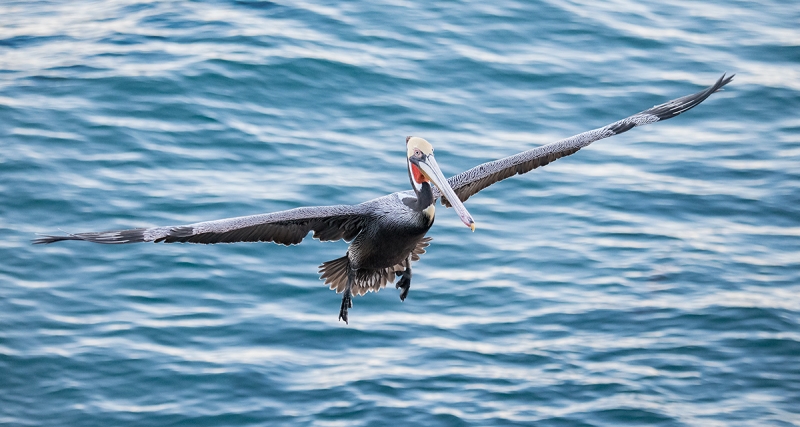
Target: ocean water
x=650 y=279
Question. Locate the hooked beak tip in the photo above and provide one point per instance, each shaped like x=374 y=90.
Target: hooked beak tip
x=472 y=227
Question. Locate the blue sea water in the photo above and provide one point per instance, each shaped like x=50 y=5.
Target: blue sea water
x=650 y=279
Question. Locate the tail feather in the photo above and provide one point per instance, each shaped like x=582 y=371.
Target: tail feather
x=334 y=273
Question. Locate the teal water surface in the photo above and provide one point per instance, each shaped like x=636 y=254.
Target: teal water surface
x=650 y=279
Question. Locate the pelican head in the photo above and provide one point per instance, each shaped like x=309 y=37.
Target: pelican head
x=422 y=167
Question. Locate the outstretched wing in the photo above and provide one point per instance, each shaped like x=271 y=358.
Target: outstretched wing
x=285 y=227
x=469 y=182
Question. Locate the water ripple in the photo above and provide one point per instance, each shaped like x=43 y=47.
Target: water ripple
x=650 y=279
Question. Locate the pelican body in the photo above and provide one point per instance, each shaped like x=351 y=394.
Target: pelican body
x=388 y=233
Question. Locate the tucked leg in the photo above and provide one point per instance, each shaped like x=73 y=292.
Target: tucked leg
x=404 y=284
x=347 y=300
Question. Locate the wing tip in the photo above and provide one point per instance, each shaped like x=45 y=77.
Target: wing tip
x=134 y=235
x=722 y=81
x=680 y=105
x=46 y=239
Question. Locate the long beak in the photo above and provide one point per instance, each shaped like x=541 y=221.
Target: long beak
x=430 y=168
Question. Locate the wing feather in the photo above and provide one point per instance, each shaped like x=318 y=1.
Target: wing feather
x=476 y=179
x=286 y=227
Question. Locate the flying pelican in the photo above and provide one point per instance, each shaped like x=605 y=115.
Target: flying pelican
x=388 y=233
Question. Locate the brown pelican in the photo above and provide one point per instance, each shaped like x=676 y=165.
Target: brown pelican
x=388 y=233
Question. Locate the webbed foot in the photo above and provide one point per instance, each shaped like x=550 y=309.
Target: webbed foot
x=404 y=284
x=347 y=302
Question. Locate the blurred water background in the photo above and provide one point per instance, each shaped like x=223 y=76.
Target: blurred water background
x=651 y=279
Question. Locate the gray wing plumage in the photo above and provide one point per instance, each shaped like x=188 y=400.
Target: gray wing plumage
x=286 y=227
x=476 y=179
